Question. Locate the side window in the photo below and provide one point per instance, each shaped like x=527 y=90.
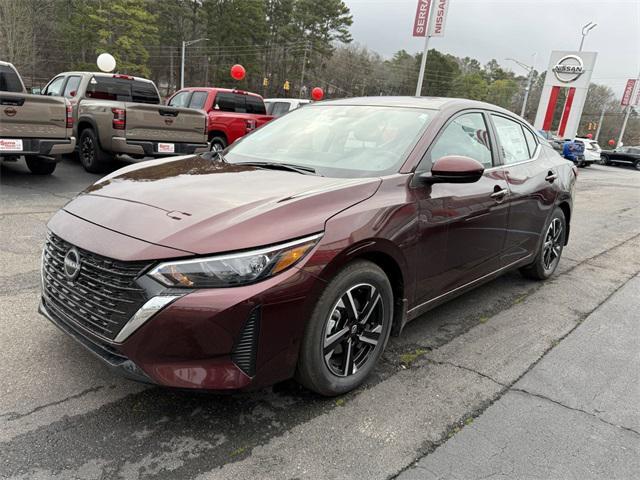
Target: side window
x=54 y=89
x=255 y=105
x=198 y=100
x=180 y=100
x=225 y=102
x=466 y=135
x=512 y=141
x=279 y=108
x=71 y=89
x=531 y=141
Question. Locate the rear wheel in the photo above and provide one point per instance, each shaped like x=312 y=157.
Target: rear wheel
x=548 y=256
x=218 y=144
x=637 y=164
x=93 y=158
x=348 y=330
x=604 y=160
x=38 y=166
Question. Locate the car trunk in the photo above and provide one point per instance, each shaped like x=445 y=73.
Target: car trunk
x=23 y=115
x=166 y=124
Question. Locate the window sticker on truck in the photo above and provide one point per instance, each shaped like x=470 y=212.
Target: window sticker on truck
x=166 y=148
x=10 y=145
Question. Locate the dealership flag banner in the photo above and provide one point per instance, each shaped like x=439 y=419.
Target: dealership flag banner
x=439 y=13
x=422 y=18
x=628 y=91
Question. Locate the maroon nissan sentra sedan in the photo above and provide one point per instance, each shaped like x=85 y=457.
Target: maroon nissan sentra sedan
x=299 y=250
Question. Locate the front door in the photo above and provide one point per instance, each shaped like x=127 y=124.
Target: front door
x=466 y=223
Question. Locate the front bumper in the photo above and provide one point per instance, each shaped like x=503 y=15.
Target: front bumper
x=211 y=339
x=45 y=147
x=150 y=148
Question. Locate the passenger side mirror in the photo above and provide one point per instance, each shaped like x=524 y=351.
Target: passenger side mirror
x=454 y=169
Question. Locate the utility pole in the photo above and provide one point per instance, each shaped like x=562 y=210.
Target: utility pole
x=423 y=63
x=304 y=64
x=632 y=99
x=530 y=69
x=185 y=44
x=604 y=107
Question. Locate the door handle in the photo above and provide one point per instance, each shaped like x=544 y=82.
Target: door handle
x=499 y=194
x=551 y=177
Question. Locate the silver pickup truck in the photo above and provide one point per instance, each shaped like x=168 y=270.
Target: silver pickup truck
x=118 y=114
x=36 y=127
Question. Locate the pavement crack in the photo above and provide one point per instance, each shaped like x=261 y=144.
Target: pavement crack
x=12 y=416
x=462 y=367
x=575 y=409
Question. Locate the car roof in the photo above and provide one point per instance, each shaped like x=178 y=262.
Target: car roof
x=217 y=89
x=104 y=74
x=288 y=100
x=431 y=103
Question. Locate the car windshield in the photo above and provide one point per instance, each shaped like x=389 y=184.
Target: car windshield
x=337 y=140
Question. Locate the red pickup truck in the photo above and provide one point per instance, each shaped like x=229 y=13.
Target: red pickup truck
x=231 y=113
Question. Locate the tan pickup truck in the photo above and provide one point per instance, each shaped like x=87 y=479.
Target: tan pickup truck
x=37 y=127
x=119 y=114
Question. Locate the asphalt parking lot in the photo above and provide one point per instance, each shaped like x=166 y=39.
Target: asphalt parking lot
x=64 y=415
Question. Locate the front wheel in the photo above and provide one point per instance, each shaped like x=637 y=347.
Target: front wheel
x=548 y=256
x=218 y=144
x=348 y=330
x=93 y=158
x=38 y=166
x=637 y=164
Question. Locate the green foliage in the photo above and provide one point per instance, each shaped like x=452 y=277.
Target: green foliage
x=470 y=85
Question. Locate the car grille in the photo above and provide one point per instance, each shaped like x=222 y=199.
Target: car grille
x=101 y=299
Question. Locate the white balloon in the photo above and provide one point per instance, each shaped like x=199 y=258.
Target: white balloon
x=106 y=62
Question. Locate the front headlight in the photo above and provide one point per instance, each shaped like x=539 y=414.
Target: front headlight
x=233 y=269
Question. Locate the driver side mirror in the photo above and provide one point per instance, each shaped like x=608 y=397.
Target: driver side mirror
x=454 y=169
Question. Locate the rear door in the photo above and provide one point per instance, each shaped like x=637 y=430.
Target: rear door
x=462 y=226
x=531 y=174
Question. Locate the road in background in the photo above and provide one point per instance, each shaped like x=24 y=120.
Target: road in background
x=64 y=415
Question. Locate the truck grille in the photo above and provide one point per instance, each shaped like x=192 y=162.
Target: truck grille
x=101 y=299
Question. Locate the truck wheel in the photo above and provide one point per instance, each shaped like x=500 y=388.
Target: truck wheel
x=93 y=158
x=38 y=166
x=218 y=144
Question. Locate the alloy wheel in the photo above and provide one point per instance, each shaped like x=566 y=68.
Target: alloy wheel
x=87 y=151
x=353 y=330
x=552 y=247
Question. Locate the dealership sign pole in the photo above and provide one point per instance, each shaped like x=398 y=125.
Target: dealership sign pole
x=628 y=95
x=429 y=22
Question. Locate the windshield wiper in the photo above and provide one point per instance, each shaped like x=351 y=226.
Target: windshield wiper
x=303 y=169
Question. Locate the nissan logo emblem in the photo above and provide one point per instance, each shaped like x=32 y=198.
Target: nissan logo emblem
x=71 y=264
x=168 y=121
x=10 y=111
x=568 y=68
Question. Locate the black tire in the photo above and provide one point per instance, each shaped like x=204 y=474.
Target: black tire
x=370 y=289
x=39 y=166
x=546 y=260
x=604 y=160
x=93 y=158
x=637 y=164
x=218 y=143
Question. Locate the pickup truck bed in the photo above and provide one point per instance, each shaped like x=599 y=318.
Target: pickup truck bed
x=32 y=125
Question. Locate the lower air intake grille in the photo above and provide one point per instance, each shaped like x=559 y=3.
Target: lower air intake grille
x=246 y=349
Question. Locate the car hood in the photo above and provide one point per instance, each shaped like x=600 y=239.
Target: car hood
x=205 y=206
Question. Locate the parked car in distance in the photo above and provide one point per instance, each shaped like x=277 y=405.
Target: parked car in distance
x=119 y=114
x=591 y=151
x=622 y=155
x=554 y=140
x=298 y=250
x=231 y=113
x=279 y=106
x=40 y=129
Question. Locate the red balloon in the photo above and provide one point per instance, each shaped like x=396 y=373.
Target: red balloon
x=317 y=93
x=238 y=72
x=589 y=136
x=612 y=142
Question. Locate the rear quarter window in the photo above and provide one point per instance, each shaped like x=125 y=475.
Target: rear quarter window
x=255 y=105
x=9 y=80
x=122 y=90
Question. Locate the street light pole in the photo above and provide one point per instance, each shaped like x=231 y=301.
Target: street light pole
x=185 y=44
x=530 y=69
x=585 y=31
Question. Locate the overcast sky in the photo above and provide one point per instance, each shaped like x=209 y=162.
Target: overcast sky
x=486 y=29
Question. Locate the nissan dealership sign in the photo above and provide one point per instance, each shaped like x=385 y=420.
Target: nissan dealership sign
x=569 y=68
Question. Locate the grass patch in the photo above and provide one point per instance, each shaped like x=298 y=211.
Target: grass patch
x=410 y=357
x=238 y=451
x=340 y=402
x=484 y=319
